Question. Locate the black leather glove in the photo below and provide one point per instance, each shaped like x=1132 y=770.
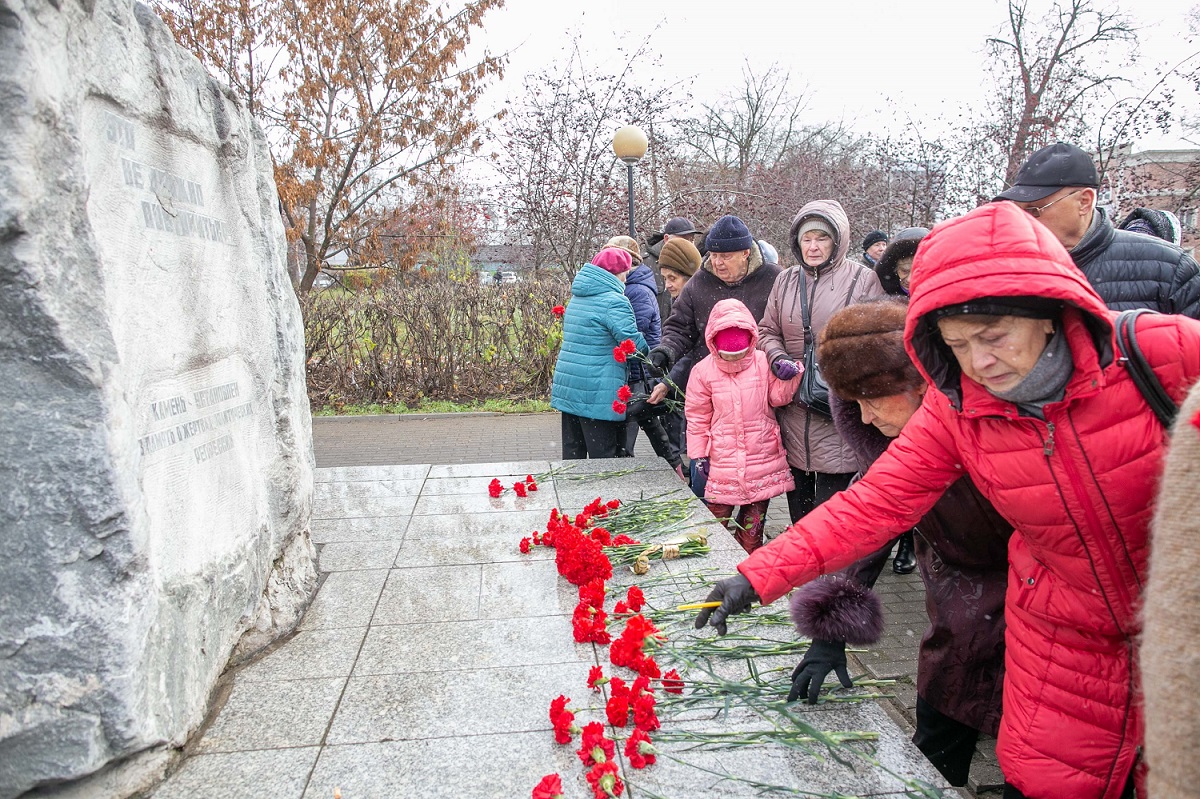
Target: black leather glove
x=660 y=360
x=809 y=675
x=735 y=594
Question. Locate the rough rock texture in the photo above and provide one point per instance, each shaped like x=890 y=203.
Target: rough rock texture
x=156 y=478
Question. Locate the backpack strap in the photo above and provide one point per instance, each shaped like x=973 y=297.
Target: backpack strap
x=1139 y=369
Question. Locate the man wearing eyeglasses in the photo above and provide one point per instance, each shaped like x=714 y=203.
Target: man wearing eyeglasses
x=1058 y=186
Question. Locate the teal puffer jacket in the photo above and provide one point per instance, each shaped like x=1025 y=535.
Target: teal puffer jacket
x=598 y=318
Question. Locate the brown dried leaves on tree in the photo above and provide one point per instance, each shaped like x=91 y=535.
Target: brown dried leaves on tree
x=364 y=103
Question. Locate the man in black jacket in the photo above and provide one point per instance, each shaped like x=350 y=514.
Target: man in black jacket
x=1058 y=186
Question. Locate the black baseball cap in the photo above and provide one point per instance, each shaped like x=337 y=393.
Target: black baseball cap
x=679 y=226
x=1051 y=168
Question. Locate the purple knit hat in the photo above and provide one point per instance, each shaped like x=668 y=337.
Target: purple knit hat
x=612 y=259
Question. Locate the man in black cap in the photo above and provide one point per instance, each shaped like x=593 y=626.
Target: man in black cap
x=873 y=246
x=1058 y=186
x=677 y=227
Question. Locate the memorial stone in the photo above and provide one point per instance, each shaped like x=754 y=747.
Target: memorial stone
x=156 y=479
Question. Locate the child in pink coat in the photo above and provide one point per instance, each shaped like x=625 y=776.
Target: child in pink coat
x=732 y=432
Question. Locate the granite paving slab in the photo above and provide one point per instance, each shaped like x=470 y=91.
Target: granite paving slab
x=489 y=470
x=371 y=528
x=273 y=715
x=367 y=488
x=525 y=588
x=480 y=548
x=277 y=773
x=490 y=643
x=463 y=767
x=341 y=474
x=455 y=528
x=347 y=555
x=343 y=507
x=307 y=654
x=435 y=704
x=427 y=594
x=346 y=599
x=464 y=504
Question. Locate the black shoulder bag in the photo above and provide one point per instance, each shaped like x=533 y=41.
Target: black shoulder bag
x=814 y=391
x=1139 y=368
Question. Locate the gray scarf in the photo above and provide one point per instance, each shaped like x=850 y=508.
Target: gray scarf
x=1047 y=380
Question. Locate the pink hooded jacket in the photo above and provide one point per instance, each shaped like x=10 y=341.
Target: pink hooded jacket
x=729 y=418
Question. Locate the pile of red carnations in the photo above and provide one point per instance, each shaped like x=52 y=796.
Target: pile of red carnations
x=579 y=556
x=520 y=488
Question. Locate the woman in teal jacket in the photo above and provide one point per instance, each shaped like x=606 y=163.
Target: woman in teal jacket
x=587 y=376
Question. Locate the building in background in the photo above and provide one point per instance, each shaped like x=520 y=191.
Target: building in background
x=1167 y=180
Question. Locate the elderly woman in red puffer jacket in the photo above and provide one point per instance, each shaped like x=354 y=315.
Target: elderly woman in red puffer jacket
x=1028 y=397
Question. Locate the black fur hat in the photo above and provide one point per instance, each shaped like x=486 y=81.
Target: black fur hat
x=862 y=353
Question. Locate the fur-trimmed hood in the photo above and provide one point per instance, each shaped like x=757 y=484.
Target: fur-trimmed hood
x=903 y=246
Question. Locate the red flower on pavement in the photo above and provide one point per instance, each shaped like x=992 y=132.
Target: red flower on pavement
x=558 y=311
x=623 y=541
x=525 y=546
x=628 y=347
x=596 y=678
x=618 y=406
x=639 y=749
x=495 y=488
x=672 y=683
x=604 y=780
x=562 y=720
x=519 y=488
x=624 y=393
x=594 y=746
x=613 y=504
x=619 y=355
x=621 y=609
x=549 y=788
x=644 y=717
x=530 y=483
x=635 y=598
x=617 y=710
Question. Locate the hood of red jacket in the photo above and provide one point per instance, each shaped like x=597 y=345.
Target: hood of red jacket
x=998 y=250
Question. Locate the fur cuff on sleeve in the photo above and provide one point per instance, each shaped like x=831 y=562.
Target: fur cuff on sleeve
x=837 y=609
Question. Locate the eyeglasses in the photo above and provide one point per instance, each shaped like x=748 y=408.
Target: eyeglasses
x=1036 y=210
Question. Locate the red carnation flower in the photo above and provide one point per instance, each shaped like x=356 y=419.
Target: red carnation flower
x=644 y=717
x=613 y=504
x=624 y=393
x=558 y=311
x=551 y=785
x=519 y=488
x=628 y=347
x=531 y=486
x=618 y=406
x=561 y=719
x=618 y=355
x=594 y=746
x=617 y=710
x=596 y=678
x=639 y=749
x=495 y=488
x=672 y=683
x=635 y=598
x=604 y=780
x=623 y=541
x=525 y=546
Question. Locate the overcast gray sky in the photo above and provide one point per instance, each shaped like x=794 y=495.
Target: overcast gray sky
x=852 y=55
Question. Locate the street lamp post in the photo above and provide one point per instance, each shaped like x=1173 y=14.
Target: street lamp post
x=629 y=143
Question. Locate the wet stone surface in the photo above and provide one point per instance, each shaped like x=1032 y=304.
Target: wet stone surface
x=427 y=663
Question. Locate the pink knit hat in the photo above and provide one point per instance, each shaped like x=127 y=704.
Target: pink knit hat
x=612 y=259
x=732 y=339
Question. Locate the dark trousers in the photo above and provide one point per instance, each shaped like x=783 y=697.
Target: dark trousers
x=673 y=423
x=1011 y=792
x=657 y=435
x=591 y=438
x=946 y=743
x=813 y=488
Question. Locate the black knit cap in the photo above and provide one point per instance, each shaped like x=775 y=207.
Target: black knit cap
x=1028 y=307
x=874 y=237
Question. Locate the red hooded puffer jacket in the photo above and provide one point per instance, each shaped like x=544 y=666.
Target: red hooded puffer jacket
x=730 y=418
x=1078 y=487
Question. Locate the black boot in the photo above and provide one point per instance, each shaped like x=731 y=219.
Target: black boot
x=905 y=561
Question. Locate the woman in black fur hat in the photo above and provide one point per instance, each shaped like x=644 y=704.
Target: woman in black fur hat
x=960 y=545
